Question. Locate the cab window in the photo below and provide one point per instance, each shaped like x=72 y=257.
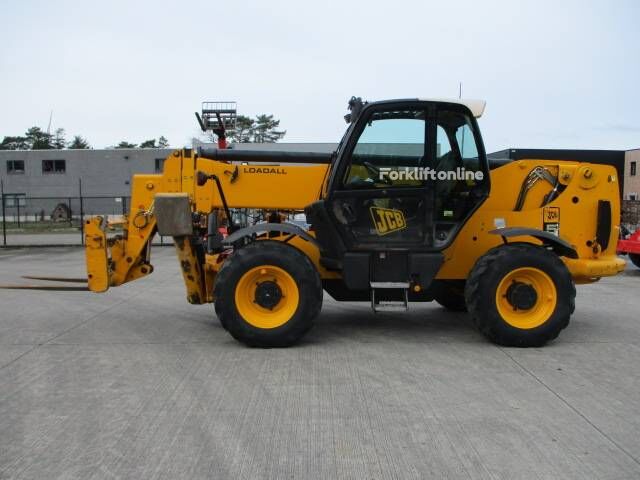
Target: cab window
x=391 y=141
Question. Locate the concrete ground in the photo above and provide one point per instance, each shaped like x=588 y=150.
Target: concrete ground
x=136 y=383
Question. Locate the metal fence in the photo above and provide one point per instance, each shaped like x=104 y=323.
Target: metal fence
x=53 y=221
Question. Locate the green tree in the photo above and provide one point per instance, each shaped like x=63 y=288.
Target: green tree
x=265 y=129
x=148 y=143
x=79 y=143
x=244 y=130
x=125 y=144
x=163 y=142
x=15 y=143
x=262 y=129
x=58 y=141
x=38 y=140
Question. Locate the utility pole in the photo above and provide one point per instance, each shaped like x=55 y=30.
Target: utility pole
x=4 y=216
x=49 y=125
x=81 y=212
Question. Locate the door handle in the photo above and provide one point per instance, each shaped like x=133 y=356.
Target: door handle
x=349 y=213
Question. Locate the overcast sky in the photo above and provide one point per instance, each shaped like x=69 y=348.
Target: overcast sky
x=554 y=74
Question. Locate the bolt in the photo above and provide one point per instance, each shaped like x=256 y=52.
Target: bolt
x=588 y=173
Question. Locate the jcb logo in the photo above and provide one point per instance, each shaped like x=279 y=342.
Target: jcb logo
x=387 y=220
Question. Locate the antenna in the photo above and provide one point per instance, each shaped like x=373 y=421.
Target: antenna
x=460 y=90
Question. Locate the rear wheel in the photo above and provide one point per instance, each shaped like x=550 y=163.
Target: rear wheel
x=635 y=259
x=268 y=294
x=520 y=295
x=450 y=294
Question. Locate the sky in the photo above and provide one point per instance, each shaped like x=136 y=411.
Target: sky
x=555 y=74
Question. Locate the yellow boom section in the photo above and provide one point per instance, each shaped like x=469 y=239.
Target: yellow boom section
x=126 y=257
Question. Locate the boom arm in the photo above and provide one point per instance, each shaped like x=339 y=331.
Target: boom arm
x=126 y=257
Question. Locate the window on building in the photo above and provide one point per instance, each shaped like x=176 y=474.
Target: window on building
x=15 y=166
x=633 y=169
x=159 y=164
x=15 y=200
x=633 y=196
x=54 y=166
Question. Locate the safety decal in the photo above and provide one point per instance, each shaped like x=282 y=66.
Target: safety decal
x=551 y=220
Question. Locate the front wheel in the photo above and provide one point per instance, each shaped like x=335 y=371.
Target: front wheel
x=268 y=294
x=217 y=310
x=635 y=259
x=520 y=295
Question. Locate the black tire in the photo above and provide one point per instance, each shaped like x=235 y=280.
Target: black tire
x=485 y=278
x=450 y=295
x=635 y=259
x=217 y=310
x=293 y=262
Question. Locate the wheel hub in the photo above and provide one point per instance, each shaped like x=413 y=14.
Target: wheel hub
x=521 y=296
x=268 y=294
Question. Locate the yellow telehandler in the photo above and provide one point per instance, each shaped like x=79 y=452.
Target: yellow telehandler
x=406 y=209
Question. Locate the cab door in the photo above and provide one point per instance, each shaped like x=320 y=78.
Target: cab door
x=409 y=176
x=377 y=197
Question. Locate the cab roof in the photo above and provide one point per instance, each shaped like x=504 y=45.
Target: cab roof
x=475 y=106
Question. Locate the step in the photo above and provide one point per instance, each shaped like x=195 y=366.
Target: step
x=390 y=306
x=390 y=284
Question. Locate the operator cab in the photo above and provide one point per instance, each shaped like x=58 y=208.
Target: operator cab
x=406 y=177
x=407 y=174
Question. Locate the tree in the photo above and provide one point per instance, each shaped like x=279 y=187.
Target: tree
x=15 y=143
x=125 y=144
x=59 y=142
x=262 y=129
x=38 y=140
x=243 y=131
x=163 y=142
x=265 y=131
x=79 y=143
x=148 y=143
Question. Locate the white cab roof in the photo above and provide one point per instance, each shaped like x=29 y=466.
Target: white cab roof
x=476 y=106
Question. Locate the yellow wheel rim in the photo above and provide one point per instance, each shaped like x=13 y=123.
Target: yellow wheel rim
x=266 y=296
x=516 y=303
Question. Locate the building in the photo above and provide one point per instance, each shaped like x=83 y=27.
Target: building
x=36 y=182
x=632 y=177
x=57 y=173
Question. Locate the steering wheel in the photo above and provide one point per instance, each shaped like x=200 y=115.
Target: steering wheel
x=371 y=168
